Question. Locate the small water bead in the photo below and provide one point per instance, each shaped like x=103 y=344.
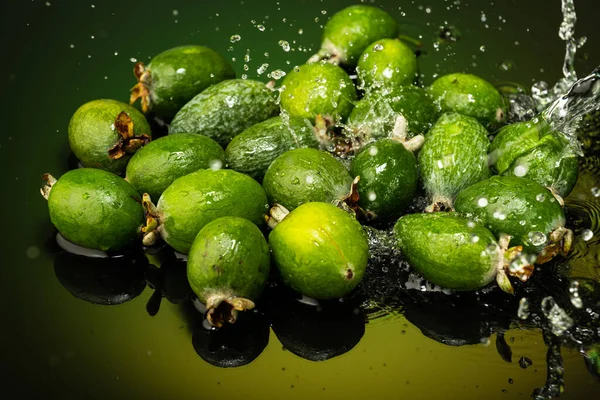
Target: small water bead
x=482 y=202
x=230 y=101
x=261 y=70
x=261 y=28
x=540 y=197
x=520 y=171
x=482 y=48
x=378 y=47
x=277 y=74
x=310 y=179
x=235 y=38
x=372 y=196
x=574 y=294
x=133 y=59
x=474 y=238
x=537 y=238
x=295 y=181
x=284 y=45
x=300 y=31
x=522 y=222
x=247 y=57
x=180 y=71
x=523 y=311
x=587 y=234
x=215 y=164
x=595 y=191
x=373 y=151
x=499 y=215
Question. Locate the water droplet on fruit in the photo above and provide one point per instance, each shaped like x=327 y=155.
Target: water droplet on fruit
x=310 y=179
x=378 y=47
x=295 y=181
x=482 y=202
x=520 y=170
x=216 y=164
x=537 y=238
x=372 y=196
x=540 y=197
x=373 y=151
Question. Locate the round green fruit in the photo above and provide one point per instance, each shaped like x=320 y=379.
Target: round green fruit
x=194 y=200
x=105 y=133
x=349 y=31
x=303 y=175
x=453 y=157
x=253 y=150
x=469 y=95
x=95 y=209
x=228 y=266
x=388 y=178
x=518 y=207
x=320 y=250
x=174 y=77
x=318 y=89
x=154 y=167
x=532 y=150
x=451 y=251
x=226 y=109
x=387 y=63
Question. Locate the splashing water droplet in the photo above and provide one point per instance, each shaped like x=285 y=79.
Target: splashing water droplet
x=523 y=311
x=587 y=234
x=574 y=294
x=261 y=70
x=260 y=28
x=284 y=45
x=235 y=38
x=559 y=320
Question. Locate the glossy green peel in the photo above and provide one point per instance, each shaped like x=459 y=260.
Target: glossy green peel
x=320 y=250
x=387 y=63
x=95 y=209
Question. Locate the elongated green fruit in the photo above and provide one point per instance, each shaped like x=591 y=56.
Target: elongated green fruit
x=303 y=175
x=154 y=167
x=95 y=209
x=452 y=251
x=175 y=76
x=228 y=266
x=253 y=150
x=105 y=133
x=518 y=207
x=224 y=110
x=351 y=30
x=320 y=250
x=194 y=200
x=453 y=157
x=470 y=95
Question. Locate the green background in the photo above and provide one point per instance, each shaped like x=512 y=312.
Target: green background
x=57 y=55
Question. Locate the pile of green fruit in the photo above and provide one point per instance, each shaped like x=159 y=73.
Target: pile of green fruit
x=254 y=175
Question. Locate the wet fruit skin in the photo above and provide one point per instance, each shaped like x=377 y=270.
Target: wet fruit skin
x=96 y=209
x=453 y=157
x=155 y=166
x=387 y=63
x=229 y=257
x=375 y=114
x=318 y=89
x=253 y=150
x=180 y=73
x=388 y=178
x=442 y=247
x=194 y=200
x=320 y=250
x=226 y=109
x=302 y=175
x=531 y=150
x=92 y=133
x=469 y=95
x=515 y=206
x=351 y=30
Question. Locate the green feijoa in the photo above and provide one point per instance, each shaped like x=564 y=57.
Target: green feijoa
x=320 y=250
x=226 y=109
x=408 y=108
x=449 y=250
x=153 y=168
x=253 y=150
x=194 y=200
x=318 y=89
x=388 y=178
x=228 y=266
x=95 y=209
x=349 y=31
x=387 y=63
x=175 y=76
x=515 y=206
x=532 y=150
x=105 y=133
x=469 y=95
x=303 y=175
x=453 y=157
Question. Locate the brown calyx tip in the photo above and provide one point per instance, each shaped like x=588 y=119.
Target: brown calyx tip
x=141 y=89
x=128 y=143
x=225 y=310
x=349 y=274
x=440 y=204
x=50 y=181
x=349 y=203
x=150 y=230
x=556 y=195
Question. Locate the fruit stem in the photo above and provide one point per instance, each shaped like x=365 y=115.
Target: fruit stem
x=276 y=214
x=128 y=143
x=561 y=241
x=400 y=133
x=222 y=309
x=150 y=230
x=50 y=181
x=513 y=263
x=141 y=89
x=320 y=55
